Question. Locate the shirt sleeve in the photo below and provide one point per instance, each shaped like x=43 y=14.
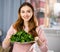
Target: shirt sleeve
x=43 y=39
x=6 y=41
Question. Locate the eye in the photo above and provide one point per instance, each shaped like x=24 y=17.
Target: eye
x=22 y=11
x=28 y=11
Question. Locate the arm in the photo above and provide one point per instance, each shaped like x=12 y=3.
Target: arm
x=42 y=41
x=6 y=41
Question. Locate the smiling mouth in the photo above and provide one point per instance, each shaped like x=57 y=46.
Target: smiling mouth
x=26 y=17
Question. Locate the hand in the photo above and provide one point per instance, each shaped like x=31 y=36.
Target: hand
x=5 y=43
x=36 y=38
x=38 y=41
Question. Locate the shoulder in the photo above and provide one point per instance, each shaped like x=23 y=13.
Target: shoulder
x=12 y=26
x=11 y=29
x=38 y=28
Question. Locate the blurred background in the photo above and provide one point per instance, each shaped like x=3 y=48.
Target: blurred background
x=46 y=11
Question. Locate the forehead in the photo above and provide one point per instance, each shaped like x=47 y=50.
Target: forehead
x=26 y=8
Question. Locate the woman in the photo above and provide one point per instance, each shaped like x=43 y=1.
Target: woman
x=27 y=22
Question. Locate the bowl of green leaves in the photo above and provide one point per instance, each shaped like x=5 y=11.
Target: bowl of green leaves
x=22 y=37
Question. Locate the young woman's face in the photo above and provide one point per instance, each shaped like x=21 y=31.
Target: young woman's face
x=26 y=13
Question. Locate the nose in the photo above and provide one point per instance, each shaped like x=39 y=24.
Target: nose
x=26 y=14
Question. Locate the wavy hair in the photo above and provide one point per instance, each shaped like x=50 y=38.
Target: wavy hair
x=32 y=23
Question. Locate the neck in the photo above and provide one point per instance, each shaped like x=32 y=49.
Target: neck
x=26 y=26
x=25 y=23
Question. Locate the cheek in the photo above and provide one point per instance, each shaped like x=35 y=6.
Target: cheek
x=22 y=15
x=30 y=14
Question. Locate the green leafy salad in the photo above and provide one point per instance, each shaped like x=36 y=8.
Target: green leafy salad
x=21 y=37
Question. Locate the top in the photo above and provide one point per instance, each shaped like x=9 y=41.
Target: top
x=25 y=47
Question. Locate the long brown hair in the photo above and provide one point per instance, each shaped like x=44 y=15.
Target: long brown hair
x=19 y=24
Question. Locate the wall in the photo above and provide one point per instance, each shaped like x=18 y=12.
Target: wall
x=53 y=37
x=8 y=14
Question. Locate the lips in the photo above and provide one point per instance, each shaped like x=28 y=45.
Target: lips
x=26 y=17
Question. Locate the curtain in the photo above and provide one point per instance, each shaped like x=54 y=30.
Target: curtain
x=8 y=14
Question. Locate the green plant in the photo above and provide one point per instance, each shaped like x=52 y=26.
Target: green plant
x=21 y=36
